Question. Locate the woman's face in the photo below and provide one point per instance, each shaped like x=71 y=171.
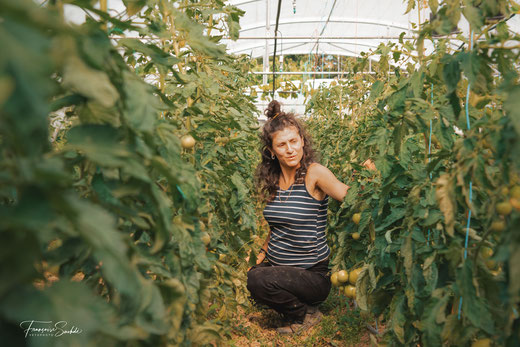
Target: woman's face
x=288 y=146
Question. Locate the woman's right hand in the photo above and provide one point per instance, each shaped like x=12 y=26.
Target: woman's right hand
x=369 y=164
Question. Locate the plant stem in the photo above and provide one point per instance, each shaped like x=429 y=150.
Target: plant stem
x=103 y=7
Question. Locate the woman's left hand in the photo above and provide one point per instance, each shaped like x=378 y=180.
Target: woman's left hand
x=259 y=258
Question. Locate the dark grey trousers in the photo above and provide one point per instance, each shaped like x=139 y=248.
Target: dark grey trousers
x=288 y=289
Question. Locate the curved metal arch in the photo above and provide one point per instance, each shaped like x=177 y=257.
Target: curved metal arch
x=351 y=53
x=332 y=20
x=346 y=50
x=301 y=43
x=336 y=51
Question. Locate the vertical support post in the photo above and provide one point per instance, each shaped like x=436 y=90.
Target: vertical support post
x=274 y=49
x=266 y=49
x=322 y=59
x=470 y=182
x=58 y=6
x=103 y=6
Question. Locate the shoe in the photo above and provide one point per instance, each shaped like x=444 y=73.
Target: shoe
x=312 y=309
x=310 y=320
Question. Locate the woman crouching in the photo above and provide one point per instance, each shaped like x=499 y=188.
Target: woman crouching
x=292 y=274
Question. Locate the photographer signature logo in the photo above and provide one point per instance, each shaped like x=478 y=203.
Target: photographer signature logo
x=48 y=328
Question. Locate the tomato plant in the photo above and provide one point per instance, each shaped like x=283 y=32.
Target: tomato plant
x=413 y=223
x=127 y=220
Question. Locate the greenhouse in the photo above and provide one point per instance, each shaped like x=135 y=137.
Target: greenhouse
x=260 y=172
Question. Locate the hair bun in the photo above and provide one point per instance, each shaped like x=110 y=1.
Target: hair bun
x=272 y=109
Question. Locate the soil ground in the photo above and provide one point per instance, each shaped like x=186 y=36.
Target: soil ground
x=342 y=325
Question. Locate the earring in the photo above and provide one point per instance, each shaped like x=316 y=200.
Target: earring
x=272 y=156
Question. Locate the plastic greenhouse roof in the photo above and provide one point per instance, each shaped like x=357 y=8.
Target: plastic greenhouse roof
x=331 y=27
x=346 y=27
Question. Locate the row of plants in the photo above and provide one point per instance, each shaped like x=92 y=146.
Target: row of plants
x=120 y=192
x=438 y=220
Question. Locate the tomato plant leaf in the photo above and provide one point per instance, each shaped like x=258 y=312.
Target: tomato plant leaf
x=444 y=195
x=399 y=319
x=474 y=306
x=377 y=88
x=512 y=106
x=450 y=72
x=91 y=83
x=142 y=106
x=473 y=15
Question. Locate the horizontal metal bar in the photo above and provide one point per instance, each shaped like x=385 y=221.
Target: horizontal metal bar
x=243 y=2
x=291 y=45
x=258 y=90
x=314 y=38
x=303 y=73
x=310 y=38
x=306 y=39
x=284 y=104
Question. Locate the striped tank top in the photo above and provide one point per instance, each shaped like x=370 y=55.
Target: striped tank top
x=297 y=225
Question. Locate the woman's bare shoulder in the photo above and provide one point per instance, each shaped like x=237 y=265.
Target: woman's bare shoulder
x=314 y=166
x=317 y=169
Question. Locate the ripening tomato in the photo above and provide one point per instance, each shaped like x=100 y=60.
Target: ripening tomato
x=187 y=142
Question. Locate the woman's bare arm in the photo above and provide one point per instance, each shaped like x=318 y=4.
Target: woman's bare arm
x=261 y=255
x=328 y=183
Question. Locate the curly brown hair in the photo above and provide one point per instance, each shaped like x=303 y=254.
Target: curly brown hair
x=268 y=171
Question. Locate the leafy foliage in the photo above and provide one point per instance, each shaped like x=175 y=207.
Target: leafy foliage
x=110 y=204
x=414 y=208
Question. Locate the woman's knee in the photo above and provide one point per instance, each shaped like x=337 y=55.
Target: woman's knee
x=254 y=281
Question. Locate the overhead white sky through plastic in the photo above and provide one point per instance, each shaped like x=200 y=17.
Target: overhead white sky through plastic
x=343 y=24
x=328 y=27
x=332 y=19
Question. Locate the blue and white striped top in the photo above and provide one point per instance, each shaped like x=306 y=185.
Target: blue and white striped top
x=297 y=224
